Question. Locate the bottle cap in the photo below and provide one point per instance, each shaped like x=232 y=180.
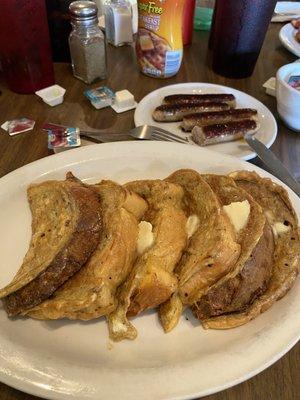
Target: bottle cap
x=83 y=10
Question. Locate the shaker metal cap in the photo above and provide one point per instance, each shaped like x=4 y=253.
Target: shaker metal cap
x=83 y=10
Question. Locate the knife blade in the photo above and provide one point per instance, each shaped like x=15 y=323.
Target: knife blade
x=273 y=163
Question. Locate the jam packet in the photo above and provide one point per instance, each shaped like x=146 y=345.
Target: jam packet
x=294 y=81
x=100 y=97
x=62 y=136
x=19 y=125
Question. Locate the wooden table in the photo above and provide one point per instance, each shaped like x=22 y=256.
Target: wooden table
x=281 y=381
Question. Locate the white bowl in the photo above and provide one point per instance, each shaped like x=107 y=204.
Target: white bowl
x=52 y=95
x=288 y=98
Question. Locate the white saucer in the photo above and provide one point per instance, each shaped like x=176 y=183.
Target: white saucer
x=287 y=38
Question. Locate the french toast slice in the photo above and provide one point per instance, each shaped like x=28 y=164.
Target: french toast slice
x=252 y=271
x=91 y=292
x=281 y=216
x=212 y=250
x=66 y=226
x=151 y=281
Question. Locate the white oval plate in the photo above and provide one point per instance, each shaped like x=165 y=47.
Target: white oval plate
x=73 y=360
x=239 y=148
x=287 y=38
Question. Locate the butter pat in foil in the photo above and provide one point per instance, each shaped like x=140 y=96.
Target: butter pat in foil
x=100 y=97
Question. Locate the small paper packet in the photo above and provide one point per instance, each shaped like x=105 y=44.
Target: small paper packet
x=294 y=82
x=270 y=86
x=100 y=97
x=19 y=125
x=62 y=136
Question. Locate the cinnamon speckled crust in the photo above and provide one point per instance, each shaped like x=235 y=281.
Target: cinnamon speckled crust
x=234 y=291
x=240 y=291
x=75 y=253
x=90 y=293
x=214 y=242
x=277 y=207
x=211 y=252
x=151 y=280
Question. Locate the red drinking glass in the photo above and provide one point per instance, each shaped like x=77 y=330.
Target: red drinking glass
x=25 y=45
x=238 y=34
x=59 y=28
x=188 y=21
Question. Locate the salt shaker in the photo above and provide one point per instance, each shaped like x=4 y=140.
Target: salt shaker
x=87 y=43
x=118 y=22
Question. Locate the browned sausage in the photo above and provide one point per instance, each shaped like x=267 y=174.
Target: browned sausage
x=223 y=132
x=217 y=117
x=176 y=112
x=201 y=98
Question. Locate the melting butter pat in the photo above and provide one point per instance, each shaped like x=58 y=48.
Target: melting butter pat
x=192 y=224
x=238 y=213
x=118 y=327
x=145 y=237
x=279 y=228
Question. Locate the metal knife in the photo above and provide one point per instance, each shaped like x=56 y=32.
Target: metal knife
x=273 y=163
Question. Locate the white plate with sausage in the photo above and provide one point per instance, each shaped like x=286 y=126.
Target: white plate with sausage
x=267 y=124
x=288 y=39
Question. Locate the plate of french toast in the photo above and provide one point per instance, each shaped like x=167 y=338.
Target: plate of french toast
x=139 y=267
x=211 y=115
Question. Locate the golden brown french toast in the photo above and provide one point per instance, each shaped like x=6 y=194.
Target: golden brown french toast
x=228 y=247
x=252 y=271
x=212 y=250
x=151 y=281
x=91 y=292
x=282 y=218
x=66 y=226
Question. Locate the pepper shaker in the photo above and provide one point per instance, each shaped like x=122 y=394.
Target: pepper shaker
x=87 y=43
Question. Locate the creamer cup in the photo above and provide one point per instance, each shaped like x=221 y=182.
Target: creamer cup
x=288 y=98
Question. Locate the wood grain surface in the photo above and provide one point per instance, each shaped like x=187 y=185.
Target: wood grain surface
x=282 y=380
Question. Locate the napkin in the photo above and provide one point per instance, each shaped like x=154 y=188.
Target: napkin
x=286 y=7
